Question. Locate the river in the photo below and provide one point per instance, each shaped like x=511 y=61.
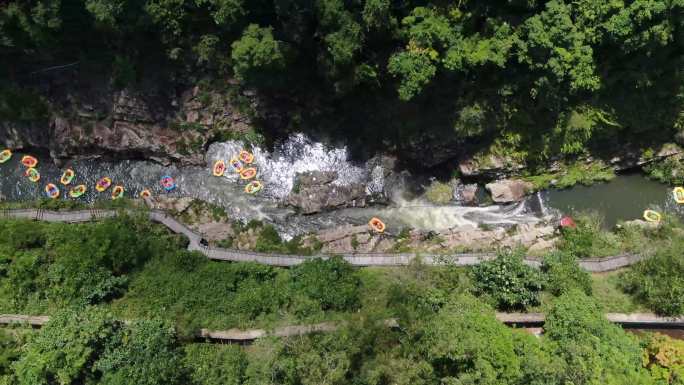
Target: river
x=621 y=199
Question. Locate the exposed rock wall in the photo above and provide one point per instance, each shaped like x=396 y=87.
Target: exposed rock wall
x=95 y=120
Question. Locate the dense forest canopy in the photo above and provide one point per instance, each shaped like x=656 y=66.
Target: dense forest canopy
x=542 y=77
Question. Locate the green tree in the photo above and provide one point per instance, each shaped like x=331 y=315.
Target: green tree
x=508 y=281
x=465 y=344
x=333 y=282
x=659 y=281
x=144 y=352
x=594 y=349
x=65 y=349
x=216 y=364
x=257 y=54
x=564 y=274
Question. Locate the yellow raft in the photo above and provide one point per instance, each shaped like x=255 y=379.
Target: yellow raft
x=248 y=173
x=246 y=156
x=29 y=161
x=253 y=187
x=219 y=168
x=678 y=193
x=376 y=225
x=652 y=216
x=67 y=177
x=77 y=191
x=32 y=174
x=5 y=155
x=103 y=184
x=52 y=191
x=117 y=192
x=144 y=194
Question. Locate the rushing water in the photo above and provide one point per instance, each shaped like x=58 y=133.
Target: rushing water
x=624 y=198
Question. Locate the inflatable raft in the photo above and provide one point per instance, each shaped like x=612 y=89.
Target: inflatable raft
x=376 y=225
x=236 y=164
x=32 y=174
x=248 y=173
x=67 y=176
x=652 y=216
x=103 y=184
x=678 y=193
x=253 y=187
x=567 y=222
x=246 y=156
x=52 y=191
x=168 y=183
x=5 y=155
x=117 y=192
x=219 y=168
x=29 y=161
x=77 y=191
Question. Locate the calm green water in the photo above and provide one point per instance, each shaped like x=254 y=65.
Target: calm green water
x=624 y=198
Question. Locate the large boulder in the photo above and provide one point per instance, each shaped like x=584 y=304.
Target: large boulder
x=509 y=190
x=315 y=191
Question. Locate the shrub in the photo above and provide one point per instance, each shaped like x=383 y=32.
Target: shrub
x=269 y=240
x=333 y=282
x=659 y=281
x=592 y=349
x=664 y=359
x=588 y=239
x=563 y=274
x=215 y=364
x=508 y=281
x=87 y=346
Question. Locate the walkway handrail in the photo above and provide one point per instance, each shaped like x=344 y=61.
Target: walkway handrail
x=626 y=320
x=274 y=259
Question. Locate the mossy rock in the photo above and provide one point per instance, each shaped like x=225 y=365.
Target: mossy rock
x=439 y=193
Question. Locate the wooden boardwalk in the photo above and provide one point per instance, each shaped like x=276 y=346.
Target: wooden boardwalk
x=356 y=259
x=633 y=320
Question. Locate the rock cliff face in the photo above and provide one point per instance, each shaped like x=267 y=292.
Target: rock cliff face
x=89 y=120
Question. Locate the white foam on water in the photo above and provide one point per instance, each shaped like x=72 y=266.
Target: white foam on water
x=297 y=154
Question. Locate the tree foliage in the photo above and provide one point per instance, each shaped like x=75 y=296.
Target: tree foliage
x=508 y=281
x=562 y=76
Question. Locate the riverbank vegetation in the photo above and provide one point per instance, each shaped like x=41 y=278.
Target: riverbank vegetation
x=539 y=79
x=90 y=277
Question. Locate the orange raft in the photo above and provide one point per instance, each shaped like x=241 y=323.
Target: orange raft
x=144 y=194
x=236 y=164
x=253 y=187
x=5 y=155
x=219 y=168
x=103 y=184
x=32 y=174
x=376 y=225
x=117 y=192
x=77 y=191
x=52 y=191
x=67 y=177
x=248 y=173
x=246 y=156
x=29 y=161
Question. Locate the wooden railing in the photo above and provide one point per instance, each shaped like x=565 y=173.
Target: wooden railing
x=356 y=259
x=633 y=320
